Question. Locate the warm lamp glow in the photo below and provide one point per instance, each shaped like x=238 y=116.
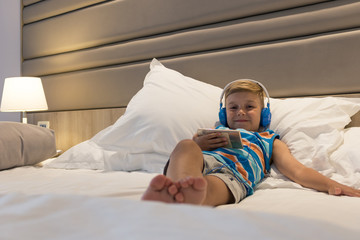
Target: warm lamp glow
x=21 y=94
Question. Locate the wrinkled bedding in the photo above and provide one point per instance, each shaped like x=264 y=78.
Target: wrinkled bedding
x=92 y=204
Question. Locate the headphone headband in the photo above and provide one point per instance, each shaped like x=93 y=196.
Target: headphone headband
x=258 y=83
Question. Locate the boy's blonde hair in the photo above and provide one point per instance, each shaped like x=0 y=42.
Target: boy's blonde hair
x=245 y=86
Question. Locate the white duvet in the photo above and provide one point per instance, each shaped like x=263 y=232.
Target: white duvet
x=89 y=204
x=37 y=180
x=79 y=217
x=93 y=204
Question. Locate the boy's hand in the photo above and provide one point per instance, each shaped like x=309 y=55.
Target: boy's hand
x=344 y=190
x=210 y=141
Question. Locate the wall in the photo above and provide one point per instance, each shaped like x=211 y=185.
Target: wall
x=10 y=47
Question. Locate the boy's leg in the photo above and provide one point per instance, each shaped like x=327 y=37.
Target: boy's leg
x=186 y=167
x=185 y=171
x=217 y=192
x=186 y=160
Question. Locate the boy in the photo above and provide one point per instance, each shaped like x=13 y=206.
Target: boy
x=201 y=171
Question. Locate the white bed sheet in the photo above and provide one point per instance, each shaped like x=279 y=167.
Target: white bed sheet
x=92 y=204
x=84 y=217
x=37 y=180
x=341 y=211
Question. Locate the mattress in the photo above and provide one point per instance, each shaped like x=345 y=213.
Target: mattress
x=38 y=180
x=76 y=204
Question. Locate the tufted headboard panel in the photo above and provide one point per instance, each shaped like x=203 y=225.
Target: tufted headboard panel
x=94 y=54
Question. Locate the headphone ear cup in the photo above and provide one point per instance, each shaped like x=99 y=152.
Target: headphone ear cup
x=265 y=119
x=222 y=116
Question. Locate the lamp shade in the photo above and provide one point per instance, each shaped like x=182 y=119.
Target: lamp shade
x=23 y=94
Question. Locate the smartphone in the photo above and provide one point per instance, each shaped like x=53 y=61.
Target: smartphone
x=233 y=136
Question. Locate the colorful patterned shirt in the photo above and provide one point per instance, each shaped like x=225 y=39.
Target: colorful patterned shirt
x=251 y=163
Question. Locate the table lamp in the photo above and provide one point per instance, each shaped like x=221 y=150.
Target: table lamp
x=22 y=94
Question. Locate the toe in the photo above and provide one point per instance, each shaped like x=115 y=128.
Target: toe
x=158 y=182
x=199 y=184
x=172 y=190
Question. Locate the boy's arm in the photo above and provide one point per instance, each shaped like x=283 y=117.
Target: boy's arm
x=307 y=177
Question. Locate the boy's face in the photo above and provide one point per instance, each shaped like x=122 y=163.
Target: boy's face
x=243 y=110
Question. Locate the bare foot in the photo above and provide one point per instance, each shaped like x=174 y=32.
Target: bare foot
x=160 y=189
x=192 y=190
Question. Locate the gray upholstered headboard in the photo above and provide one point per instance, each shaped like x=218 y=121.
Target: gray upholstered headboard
x=95 y=54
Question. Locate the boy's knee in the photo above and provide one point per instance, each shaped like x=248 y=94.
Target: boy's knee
x=186 y=146
x=187 y=143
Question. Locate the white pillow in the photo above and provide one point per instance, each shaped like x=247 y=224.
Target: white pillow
x=312 y=128
x=170 y=107
x=346 y=159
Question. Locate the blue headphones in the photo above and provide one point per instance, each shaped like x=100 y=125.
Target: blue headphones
x=265 y=118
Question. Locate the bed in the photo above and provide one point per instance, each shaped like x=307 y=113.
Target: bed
x=158 y=69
